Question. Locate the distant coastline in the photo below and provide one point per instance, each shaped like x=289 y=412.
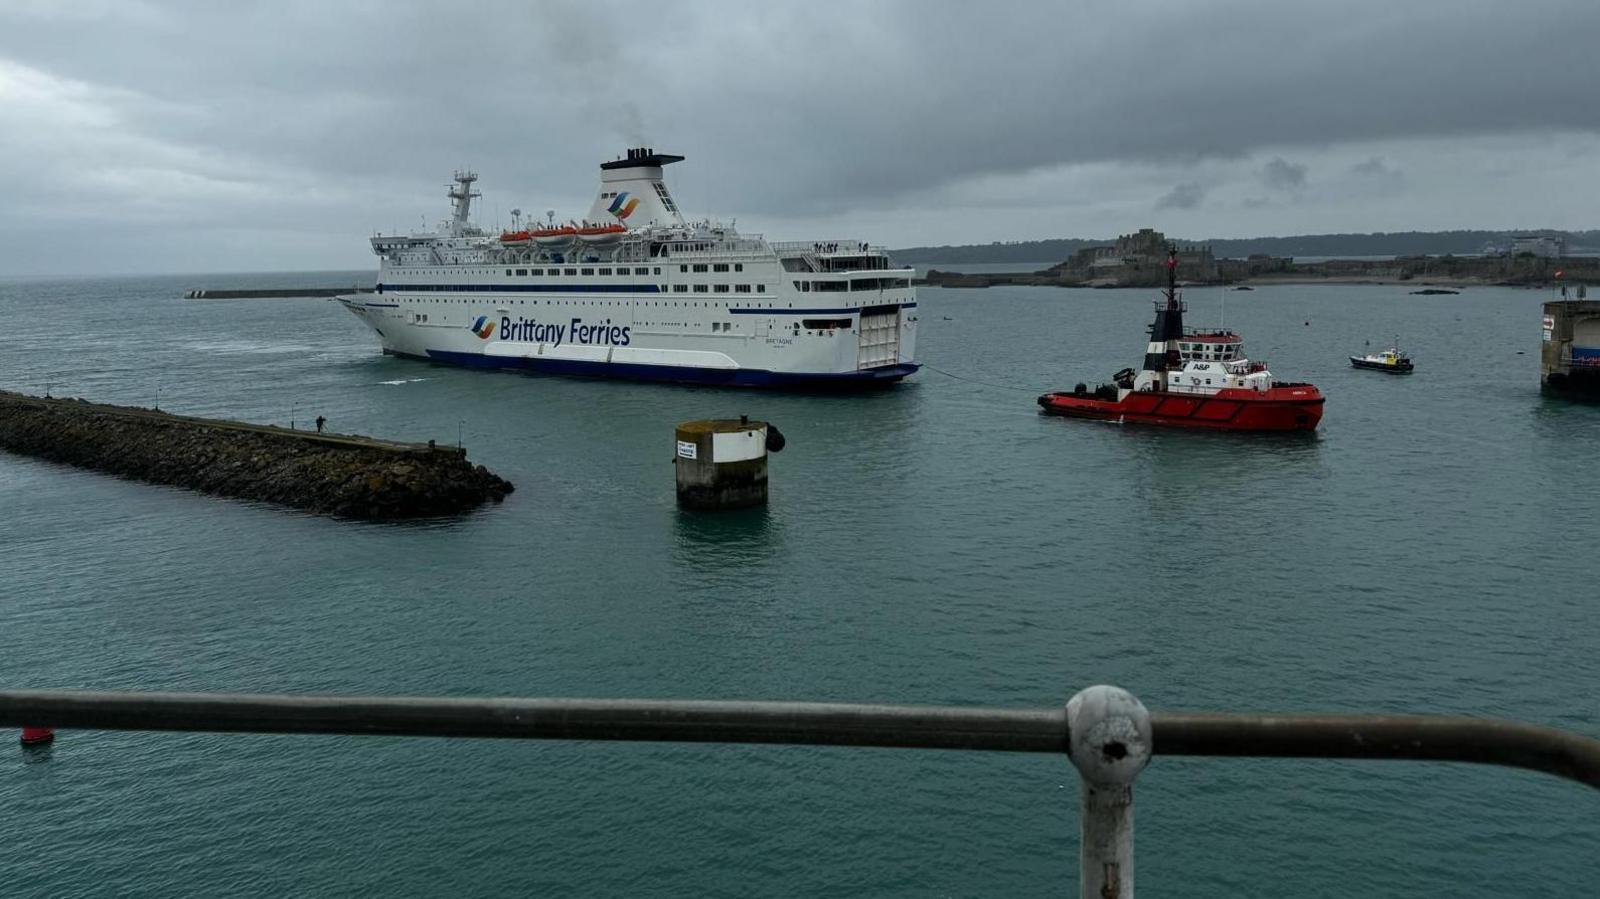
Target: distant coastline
x=1140 y=259
x=1325 y=246
x=1417 y=273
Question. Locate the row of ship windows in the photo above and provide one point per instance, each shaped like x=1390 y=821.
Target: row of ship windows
x=622 y=270
x=555 y=272
x=1212 y=350
x=715 y=266
x=854 y=284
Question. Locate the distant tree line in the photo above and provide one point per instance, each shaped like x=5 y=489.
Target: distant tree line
x=1397 y=243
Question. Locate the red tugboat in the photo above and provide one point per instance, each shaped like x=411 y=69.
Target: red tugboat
x=1193 y=379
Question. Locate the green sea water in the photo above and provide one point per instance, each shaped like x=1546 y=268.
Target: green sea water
x=1431 y=549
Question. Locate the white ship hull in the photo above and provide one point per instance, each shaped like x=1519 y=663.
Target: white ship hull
x=759 y=343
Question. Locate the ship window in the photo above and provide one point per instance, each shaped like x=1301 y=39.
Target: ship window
x=508 y=272
x=522 y=271
x=761 y=288
x=536 y=271
x=605 y=271
x=699 y=266
x=658 y=270
x=720 y=267
x=588 y=271
x=683 y=268
x=738 y=266
x=680 y=288
x=741 y=288
x=571 y=271
x=826 y=324
x=701 y=288
x=722 y=288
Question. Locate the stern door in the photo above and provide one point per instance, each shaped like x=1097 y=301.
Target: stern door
x=880 y=338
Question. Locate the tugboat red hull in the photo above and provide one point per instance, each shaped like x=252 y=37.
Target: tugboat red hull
x=1285 y=407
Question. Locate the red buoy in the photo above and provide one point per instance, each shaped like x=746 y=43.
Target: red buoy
x=37 y=736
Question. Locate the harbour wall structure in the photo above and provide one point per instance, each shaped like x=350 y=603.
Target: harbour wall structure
x=1569 y=357
x=722 y=463
x=348 y=476
x=262 y=292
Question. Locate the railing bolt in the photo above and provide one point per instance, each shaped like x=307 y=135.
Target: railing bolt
x=1108 y=740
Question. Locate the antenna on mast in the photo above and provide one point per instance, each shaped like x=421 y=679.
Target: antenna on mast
x=1172 y=276
x=461 y=197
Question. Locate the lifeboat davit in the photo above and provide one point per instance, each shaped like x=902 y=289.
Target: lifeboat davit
x=1193 y=380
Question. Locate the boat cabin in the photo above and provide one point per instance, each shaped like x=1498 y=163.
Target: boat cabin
x=1210 y=346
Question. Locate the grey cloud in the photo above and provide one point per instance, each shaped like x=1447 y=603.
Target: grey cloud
x=353 y=112
x=1375 y=175
x=1374 y=167
x=1184 y=196
x=1280 y=174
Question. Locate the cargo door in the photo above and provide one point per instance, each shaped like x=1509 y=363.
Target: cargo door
x=880 y=337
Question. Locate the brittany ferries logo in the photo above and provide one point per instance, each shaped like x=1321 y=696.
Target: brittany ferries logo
x=622 y=207
x=483 y=327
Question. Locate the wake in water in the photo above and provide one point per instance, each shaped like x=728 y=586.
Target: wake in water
x=404 y=381
x=245 y=347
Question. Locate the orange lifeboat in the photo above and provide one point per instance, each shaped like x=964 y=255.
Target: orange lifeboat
x=601 y=234
x=554 y=237
x=513 y=237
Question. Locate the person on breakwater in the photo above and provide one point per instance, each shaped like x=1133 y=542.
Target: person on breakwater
x=320 y=422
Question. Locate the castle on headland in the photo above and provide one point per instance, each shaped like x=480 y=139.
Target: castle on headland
x=1136 y=258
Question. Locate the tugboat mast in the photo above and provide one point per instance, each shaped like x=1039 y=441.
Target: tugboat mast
x=1162 y=355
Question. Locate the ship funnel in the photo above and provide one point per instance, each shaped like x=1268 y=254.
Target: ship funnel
x=632 y=192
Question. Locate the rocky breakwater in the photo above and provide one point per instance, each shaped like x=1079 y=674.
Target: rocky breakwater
x=333 y=474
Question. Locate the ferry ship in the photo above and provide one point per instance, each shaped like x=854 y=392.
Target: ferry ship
x=1192 y=378
x=635 y=290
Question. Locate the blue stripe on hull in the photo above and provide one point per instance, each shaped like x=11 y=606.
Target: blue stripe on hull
x=882 y=376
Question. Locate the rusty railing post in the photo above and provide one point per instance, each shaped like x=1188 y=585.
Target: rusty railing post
x=1108 y=740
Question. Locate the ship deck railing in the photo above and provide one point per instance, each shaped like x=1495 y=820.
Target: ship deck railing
x=1106 y=733
x=827 y=248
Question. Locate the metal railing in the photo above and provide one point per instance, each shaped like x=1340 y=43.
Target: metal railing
x=1105 y=731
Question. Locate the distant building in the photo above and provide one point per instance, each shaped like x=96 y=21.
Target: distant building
x=1147 y=243
x=1539 y=245
x=1101 y=257
x=1139 y=257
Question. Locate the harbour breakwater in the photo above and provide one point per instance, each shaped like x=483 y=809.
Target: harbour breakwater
x=347 y=476
x=207 y=293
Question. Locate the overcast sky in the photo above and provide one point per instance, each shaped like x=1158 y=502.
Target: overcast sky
x=188 y=137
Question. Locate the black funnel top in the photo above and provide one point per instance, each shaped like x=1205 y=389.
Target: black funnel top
x=640 y=157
